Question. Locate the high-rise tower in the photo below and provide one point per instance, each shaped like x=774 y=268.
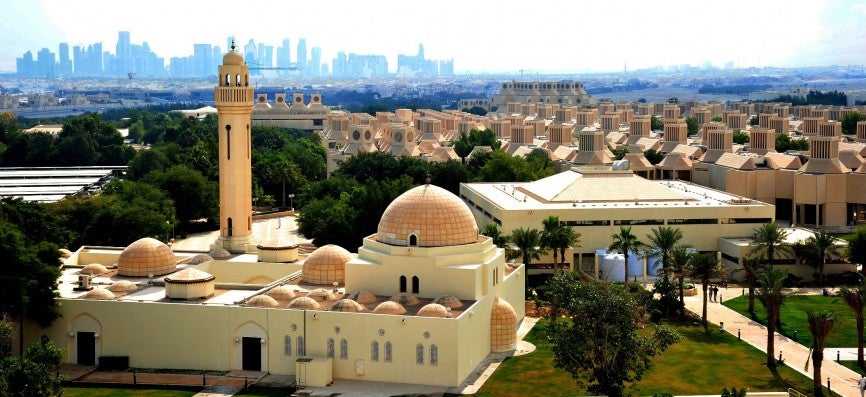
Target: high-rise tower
x=233 y=97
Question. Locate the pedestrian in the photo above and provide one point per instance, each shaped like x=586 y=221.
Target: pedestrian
x=862 y=385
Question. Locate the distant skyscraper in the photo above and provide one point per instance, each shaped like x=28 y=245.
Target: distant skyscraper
x=302 y=55
x=251 y=52
x=45 y=63
x=202 y=59
x=26 y=66
x=315 y=61
x=64 y=65
x=284 y=53
x=123 y=54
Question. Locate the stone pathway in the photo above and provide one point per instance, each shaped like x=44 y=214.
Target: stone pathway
x=843 y=381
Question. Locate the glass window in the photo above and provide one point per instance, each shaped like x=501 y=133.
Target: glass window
x=331 y=347
x=287 y=345
x=374 y=351
x=344 y=349
x=388 y=356
x=419 y=354
x=434 y=355
x=302 y=348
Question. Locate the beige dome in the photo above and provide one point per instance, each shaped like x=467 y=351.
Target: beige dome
x=326 y=265
x=503 y=326
x=433 y=310
x=65 y=253
x=219 y=253
x=389 y=307
x=346 y=305
x=233 y=58
x=404 y=298
x=99 y=294
x=262 y=301
x=93 y=269
x=123 y=286
x=449 y=301
x=196 y=259
x=304 y=303
x=281 y=293
x=321 y=294
x=189 y=276
x=146 y=257
x=363 y=297
x=427 y=216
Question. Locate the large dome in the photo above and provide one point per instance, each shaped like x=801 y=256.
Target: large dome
x=146 y=257
x=233 y=58
x=326 y=265
x=427 y=216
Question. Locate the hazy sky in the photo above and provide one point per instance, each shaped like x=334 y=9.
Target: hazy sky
x=481 y=36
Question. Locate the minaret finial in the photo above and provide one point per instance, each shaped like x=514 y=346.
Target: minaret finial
x=233 y=43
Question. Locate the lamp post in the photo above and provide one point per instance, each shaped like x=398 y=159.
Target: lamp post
x=291 y=201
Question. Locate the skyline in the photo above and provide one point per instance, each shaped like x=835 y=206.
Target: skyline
x=651 y=34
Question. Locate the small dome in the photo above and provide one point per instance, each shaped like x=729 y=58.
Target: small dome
x=93 y=269
x=262 y=301
x=281 y=293
x=189 y=276
x=427 y=216
x=326 y=265
x=363 y=297
x=346 y=305
x=304 y=303
x=404 y=298
x=219 y=253
x=433 y=310
x=123 y=286
x=449 y=301
x=389 y=307
x=233 y=58
x=196 y=259
x=146 y=257
x=65 y=253
x=503 y=326
x=321 y=295
x=99 y=294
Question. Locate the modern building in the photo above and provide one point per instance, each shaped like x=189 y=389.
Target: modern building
x=543 y=91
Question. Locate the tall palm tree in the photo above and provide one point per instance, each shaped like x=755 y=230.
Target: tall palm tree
x=551 y=236
x=678 y=268
x=750 y=269
x=704 y=267
x=625 y=241
x=492 y=231
x=854 y=298
x=528 y=243
x=773 y=298
x=820 y=247
x=769 y=241
x=568 y=239
x=821 y=325
x=662 y=241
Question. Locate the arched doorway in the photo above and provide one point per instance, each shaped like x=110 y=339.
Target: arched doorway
x=251 y=352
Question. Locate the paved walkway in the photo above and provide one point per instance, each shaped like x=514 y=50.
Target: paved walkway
x=843 y=381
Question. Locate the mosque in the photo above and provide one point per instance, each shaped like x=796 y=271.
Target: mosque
x=425 y=300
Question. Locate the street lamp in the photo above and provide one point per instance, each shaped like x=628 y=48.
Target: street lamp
x=291 y=201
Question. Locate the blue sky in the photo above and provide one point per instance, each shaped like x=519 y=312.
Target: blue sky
x=482 y=36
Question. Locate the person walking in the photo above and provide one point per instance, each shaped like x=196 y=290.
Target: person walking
x=862 y=385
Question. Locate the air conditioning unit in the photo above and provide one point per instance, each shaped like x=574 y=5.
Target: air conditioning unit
x=83 y=283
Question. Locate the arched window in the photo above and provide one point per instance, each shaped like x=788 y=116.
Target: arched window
x=228 y=141
x=434 y=355
x=228 y=81
x=238 y=80
x=419 y=354
x=415 y=286
x=287 y=345
x=229 y=226
x=374 y=351
x=388 y=356
x=246 y=80
x=330 y=347
x=344 y=349
x=402 y=283
x=413 y=240
x=302 y=347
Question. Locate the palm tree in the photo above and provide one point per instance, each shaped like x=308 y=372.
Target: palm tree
x=528 y=243
x=750 y=269
x=704 y=267
x=773 y=298
x=625 y=241
x=569 y=238
x=662 y=241
x=857 y=248
x=820 y=247
x=551 y=236
x=678 y=267
x=853 y=297
x=769 y=240
x=821 y=325
x=492 y=231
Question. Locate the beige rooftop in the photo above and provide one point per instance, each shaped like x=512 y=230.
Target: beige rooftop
x=427 y=216
x=146 y=257
x=571 y=187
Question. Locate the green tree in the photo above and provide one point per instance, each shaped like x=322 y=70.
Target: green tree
x=753 y=120
x=35 y=374
x=693 y=126
x=194 y=196
x=704 y=267
x=770 y=240
x=602 y=346
x=465 y=143
x=662 y=241
x=741 y=137
x=717 y=119
x=528 y=244
x=821 y=325
x=499 y=239
x=618 y=154
x=819 y=248
x=679 y=269
x=656 y=124
x=857 y=247
x=326 y=221
x=136 y=132
x=849 y=122
x=558 y=237
x=854 y=298
x=653 y=156
x=772 y=298
x=476 y=110
x=625 y=242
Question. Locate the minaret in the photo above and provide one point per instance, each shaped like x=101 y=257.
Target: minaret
x=233 y=97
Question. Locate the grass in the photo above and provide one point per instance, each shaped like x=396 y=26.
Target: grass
x=702 y=363
x=852 y=365
x=150 y=391
x=794 y=317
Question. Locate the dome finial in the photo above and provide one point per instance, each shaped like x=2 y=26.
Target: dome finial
x=233 y=43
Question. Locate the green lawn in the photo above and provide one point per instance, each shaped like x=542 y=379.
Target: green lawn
x=794 y=317
x=700 y=364
x=128 y=392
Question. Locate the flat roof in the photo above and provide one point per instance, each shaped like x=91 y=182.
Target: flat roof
x=49 y=184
